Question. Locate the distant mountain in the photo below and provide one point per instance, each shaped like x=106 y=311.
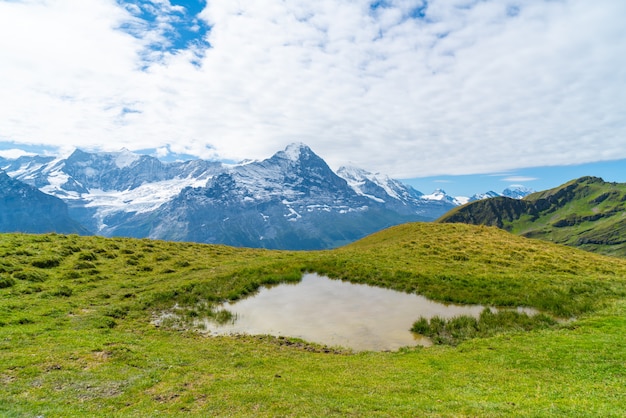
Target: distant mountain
x=392 y=193
x=517 y=192
x=513 y=191
x=588 y=213
x=486 y=195
x=24 y=208
x=440 y=195
x=292 y=200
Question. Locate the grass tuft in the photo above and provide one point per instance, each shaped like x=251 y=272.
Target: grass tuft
x=31 y=276
x=6 y=282
x=46 y=263
x=64 y=291
x=461 y=328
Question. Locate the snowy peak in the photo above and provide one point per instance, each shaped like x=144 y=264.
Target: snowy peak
x=295 y=151
x=442 y=196
x=290 y=174
x=376 y=186
x=105 y=170
x=354 y=173
x=481 y=196
x=121 y=159
x=293 y=155
x=513 y=191
x=25 y=164
x=300 y=158
x=125 y=158
x=517 y=191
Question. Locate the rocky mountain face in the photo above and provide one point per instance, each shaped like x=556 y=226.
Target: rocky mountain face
x=588 y=213
x=394 y=194
x=292 y=200
x=103 y=187
x=24 y=208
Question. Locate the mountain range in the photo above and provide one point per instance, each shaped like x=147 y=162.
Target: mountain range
x=292 y=200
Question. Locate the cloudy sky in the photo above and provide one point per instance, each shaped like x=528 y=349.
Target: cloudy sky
x=410 y=88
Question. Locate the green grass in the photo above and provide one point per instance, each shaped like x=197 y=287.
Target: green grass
x=587 y=213
x=455 y=330
x=76 y=337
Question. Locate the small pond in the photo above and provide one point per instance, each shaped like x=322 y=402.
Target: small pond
x=335 y=313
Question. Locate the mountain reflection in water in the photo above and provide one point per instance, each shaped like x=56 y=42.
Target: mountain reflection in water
x=336 y=313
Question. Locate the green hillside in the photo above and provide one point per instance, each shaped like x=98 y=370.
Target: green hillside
x=588 y=213
x=76 y=337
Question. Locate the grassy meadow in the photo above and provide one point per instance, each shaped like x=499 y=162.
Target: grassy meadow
x=77 y=338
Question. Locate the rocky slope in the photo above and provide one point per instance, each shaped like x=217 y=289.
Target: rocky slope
x=24 y=208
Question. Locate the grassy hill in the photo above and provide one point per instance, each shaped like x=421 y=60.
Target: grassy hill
x=76 y=337
x=588 y=213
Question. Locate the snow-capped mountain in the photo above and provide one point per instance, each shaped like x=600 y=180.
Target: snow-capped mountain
x=394 y=194
x=440 y=195
x=517 y=191
x=377 y=186
x=486 y=195
x=291 y=200
x=513 y=191
x=97 y=186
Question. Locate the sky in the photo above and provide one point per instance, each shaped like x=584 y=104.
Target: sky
x=464 y=95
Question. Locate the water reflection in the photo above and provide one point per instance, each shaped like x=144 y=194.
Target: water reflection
x=336 y=313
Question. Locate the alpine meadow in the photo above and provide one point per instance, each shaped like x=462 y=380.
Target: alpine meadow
x=78 y=336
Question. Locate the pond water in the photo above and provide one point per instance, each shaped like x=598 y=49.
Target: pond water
x=336 y=313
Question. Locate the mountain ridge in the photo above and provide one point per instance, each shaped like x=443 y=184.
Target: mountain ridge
x=586 y=212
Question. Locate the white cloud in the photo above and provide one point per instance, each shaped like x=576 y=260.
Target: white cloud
x=14 y=153
x=162 y=152
x=518 y=179
x=473 y=87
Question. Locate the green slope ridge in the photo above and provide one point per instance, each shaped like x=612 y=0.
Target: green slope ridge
x=588 y=213
x=75 y=324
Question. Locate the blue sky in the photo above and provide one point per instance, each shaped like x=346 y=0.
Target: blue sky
x=177 y=22
x=459 y=94
x=535 y=178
